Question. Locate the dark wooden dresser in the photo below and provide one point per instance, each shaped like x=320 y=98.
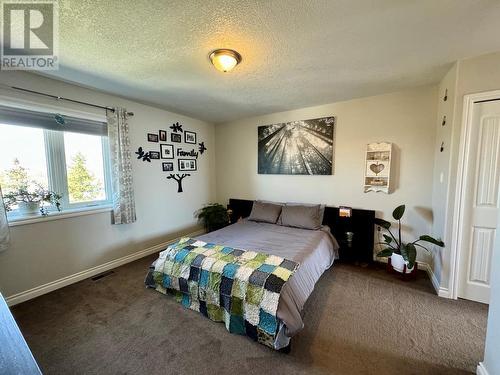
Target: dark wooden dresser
x=15 y=356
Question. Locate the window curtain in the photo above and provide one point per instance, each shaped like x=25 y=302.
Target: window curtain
x=4 y=226
x=121 y=167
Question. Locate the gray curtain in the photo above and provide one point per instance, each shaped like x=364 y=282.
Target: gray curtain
x=121 y=167
x=4 y=226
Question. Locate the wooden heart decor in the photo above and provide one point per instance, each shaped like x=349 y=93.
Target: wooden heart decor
x=377 y=168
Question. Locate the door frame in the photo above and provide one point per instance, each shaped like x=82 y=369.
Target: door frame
x=464 y=148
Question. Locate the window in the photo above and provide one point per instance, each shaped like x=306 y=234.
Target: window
x=43 y=152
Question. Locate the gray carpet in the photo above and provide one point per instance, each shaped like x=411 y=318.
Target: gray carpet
x=358 y=321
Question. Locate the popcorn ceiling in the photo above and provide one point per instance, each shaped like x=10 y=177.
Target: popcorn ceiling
x=296 y=53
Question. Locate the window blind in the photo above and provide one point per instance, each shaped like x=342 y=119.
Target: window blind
x=51 y=121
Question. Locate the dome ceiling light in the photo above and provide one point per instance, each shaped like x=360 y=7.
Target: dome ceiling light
x=225 y=59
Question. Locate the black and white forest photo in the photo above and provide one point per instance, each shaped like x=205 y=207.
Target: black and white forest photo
x=297 y=147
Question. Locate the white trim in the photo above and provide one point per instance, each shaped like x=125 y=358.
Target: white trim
x=481 y=370
x=432 y=276
x=444 y=293
x=79 y=276
x=424 y=266
x=447 y=218
x=440 y=291
x=13 y=222
x=456 y=240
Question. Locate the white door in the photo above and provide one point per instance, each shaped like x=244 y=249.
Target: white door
x=480 y=204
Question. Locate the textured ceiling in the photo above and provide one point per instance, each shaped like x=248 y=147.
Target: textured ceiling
x=296 y=53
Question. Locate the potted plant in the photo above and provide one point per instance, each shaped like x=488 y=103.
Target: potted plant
x=402 y=256
x=213 y=216
x=30 y=202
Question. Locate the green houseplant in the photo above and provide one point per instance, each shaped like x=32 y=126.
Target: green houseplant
x=213 y=216
x=31 y=201
x=402 y=253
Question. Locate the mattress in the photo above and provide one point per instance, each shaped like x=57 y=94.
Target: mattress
x=314 y=250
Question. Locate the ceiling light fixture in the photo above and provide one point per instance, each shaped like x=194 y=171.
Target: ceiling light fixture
x=225 y=59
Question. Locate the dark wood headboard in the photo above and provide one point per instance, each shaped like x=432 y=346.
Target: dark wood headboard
x=361 y=224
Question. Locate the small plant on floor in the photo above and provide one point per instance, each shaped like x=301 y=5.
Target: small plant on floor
x=408 y=251
x=213 y=216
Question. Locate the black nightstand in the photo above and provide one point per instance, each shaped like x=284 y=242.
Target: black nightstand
x=355 y=236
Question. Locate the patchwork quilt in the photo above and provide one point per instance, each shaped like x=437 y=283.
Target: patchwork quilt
x=238 y=287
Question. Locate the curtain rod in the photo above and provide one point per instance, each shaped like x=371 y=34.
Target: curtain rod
x=66 y=99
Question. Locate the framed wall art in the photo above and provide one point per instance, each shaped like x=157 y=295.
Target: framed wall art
x=166 y=151
x=167 y=166
x=302 y=147
x=189 y=137
x=175 y=137
x=152 y=137
x=187 y=165
x=154 y=154
x=163 y=135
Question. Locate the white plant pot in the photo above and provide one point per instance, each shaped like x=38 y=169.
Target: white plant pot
x=398 y=263
x=29 y=208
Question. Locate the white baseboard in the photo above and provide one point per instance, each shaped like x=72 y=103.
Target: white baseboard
x=441 y=292
x=71 y=279
x=444 y=292
x=432 y=276
x=481 y=370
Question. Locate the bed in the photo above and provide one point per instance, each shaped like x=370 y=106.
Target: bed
x=314 y=250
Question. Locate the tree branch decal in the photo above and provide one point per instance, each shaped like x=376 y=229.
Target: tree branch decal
x=201 y=147
x=178 y=178
x=176 y=127
x=144 y=155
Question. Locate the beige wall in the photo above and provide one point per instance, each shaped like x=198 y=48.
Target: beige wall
x=442 y=166
x=474 y=75
x=46 y=251
x=405 y=118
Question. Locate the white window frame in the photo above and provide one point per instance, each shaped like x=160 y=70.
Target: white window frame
x=55 y=155
x=56 y=161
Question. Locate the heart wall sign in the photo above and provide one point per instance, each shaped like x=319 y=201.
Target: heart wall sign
x=377 y=168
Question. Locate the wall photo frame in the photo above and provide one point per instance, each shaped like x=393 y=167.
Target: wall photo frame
x=189 y=137
x=163 y=135
x=166 y=151
x=167 y=166
x=175 y=137
x=152 y=137
x=185 y=165
x=154 y=154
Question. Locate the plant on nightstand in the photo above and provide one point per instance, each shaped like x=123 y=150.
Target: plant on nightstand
x=402 y=255
x=213 y=216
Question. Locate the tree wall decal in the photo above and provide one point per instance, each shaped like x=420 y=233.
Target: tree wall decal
x=178 y=178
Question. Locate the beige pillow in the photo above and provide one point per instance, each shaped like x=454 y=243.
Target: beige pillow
x=300 y=216
x=265 y=212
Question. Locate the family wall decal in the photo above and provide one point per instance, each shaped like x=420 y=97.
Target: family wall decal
x=186 y=156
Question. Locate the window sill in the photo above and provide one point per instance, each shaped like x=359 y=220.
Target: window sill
x=16 y=221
